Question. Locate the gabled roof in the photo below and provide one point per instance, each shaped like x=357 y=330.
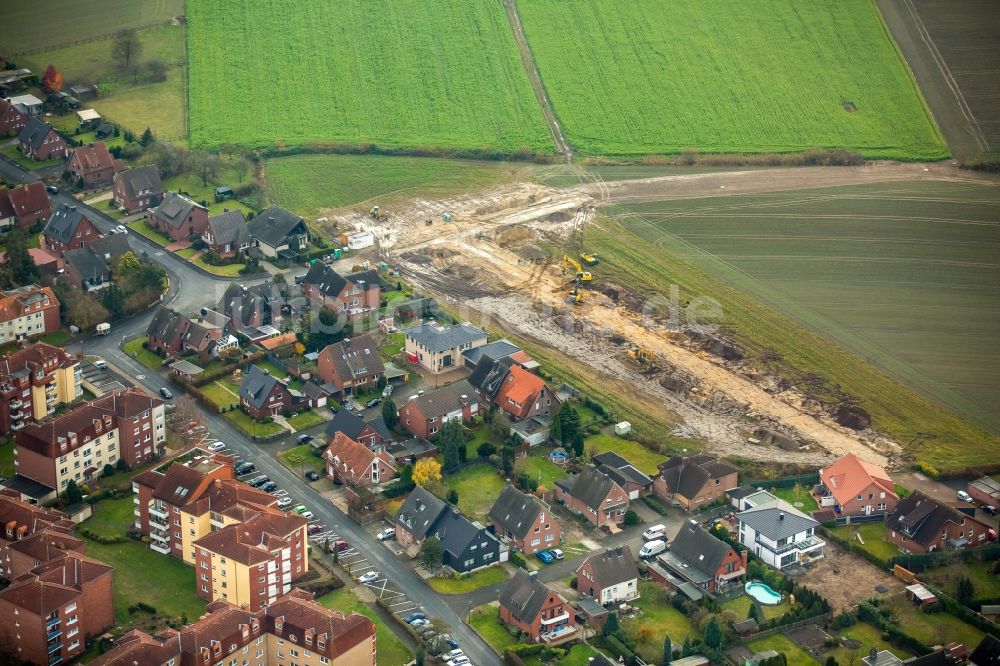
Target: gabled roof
x=257 y=385
x=347 y=422
x=94 y=157
x=620 y=469
x=515 y=512
x=252 y=542
x=86 y=263
x=34 y=132
x=438 y=339
x=776 y=520
x=330 y=283
x=444 y=400
x=524 y=595
x=591 y=486
x=174 y=209
x=243 y=303
x=167 y=325
x=354 y=357
x=145 y=179
x=686 y=475
x=698 y=549
x=229 y=227
x=273 y=226
x=922 y=518
x=457 y=533
x=420 y=512
x=521 y=386
x=352 y=458
x=612 y=567
x=495 y=350
x=987 y=653
x=488 y=375
x=63 y=223
x=850 y=475
x=29 y=198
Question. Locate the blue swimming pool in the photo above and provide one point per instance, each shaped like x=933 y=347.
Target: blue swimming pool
x=762 y=593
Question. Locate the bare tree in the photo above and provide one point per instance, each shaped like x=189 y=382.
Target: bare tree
x=206 y=165
x=156 y=69
x=242 y=167
x=126 y=49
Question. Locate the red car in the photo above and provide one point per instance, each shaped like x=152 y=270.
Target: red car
x=315 y=527
x=341 y=545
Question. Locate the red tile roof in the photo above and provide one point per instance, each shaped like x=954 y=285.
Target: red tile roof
x=253 y=541
x=520 y=386
x=848 y=477
x=352 y=458
x=90 y=158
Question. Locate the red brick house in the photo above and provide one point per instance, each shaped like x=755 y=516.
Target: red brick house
x=371 y=433
x=19 y=310
x=68 y=228
x=90 y=268
x=594 y=495
x=528 y=605
x=854 y=487
x=694 y=480
x=227 y=234
x=40 y=141
x=425 y=415
x=47 y=544
x=610 y=577
x=25 y=206
x=524 y=395
x=699 y=558
x=350 y=296
x=262 y=395
x=352 y=463
x=351 y=365
x=178 y=217
x=165 y=333
x=136 y=190
x=12 y=121
x=922 y=524
x=525 y=520
x=94 y=164
x=58 y=606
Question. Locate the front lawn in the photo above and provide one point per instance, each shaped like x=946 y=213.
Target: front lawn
x=478 y=487
x=139 y=227
x=112 y=518
x=220 y=395
x=869 y=637
x=135 y=349
x=932 y=628
x=13 y=153
x=798 y=496
x=579 y=655
x=873 y=535
x=299 y=456
x=984 y=581
x=305 y=420
x=541 y=469
x=135 y=566
x=657 y=618
x=469 y=583
x=55 y=338
x=781 y=643
x=228 y=270
x=251 y=428
x=391 y=650
x=187 y=252
x=486 y=621
x=644 y=459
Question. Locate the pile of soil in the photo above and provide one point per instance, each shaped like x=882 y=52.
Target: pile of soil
x=853 y=417
x=533 y=253
x=772 y=438
x=462 y=271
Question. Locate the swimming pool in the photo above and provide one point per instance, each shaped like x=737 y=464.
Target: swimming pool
x=762 y=593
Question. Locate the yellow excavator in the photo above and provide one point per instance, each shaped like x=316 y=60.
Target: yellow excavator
x=575 y=297
x=640 y=355
x=573 y=266
x=590 y=258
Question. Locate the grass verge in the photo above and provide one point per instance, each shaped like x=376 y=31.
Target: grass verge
x=470 y=583
x=135 y=349
x=486 y=621
x=391 y=650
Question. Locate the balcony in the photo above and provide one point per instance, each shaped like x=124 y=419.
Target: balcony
x=49 y=399
x=160 y=536
x=54 y=634
x=807 y=544
x=217 y=524
x=55 y=659
x=55 y=647
x=556 y=619
x=16 y=402
x=16 y=426
x=159 y=548
x=51 y=622
x=159 y=512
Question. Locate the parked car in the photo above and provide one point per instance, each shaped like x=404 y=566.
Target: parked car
x=269 y=487
x=654 y=532
x=416 y=624
x=100 y=364
x=284 y=501
x=368 y=577
x=300 y=509
x=308 y=515
x=652 y=549
x=121 y=229
x=244 y=468
x=458 y=661
x=312 y=475
x=165 y=392
x=387 y=391
x=414 y=616
x=315 y=527
x=990 y=509
x=453 y=654
x=216 y=446
x=258 y=481
x=964 y=496
x=557 y=553
x=374 y=402
x=52 y=189
x=545 y=556
x=302 y=439
x=341 y=545
x=386 y=534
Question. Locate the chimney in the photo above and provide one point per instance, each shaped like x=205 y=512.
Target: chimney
x=465 y=401
x=781 y=515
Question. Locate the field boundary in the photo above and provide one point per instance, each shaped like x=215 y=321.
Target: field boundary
x=88 y=40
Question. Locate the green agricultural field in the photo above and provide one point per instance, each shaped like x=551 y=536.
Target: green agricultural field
x=71 y=20
x=747 y=76
x=309 y=184
x=902 y=275
x=444 y=74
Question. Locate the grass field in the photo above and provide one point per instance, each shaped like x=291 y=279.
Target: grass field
x=220 y=394
x=432 y=74
x=541 y=469
x=391 y=651
x=657 y=618
x=7 y=459
x=308 y=184
x=486 y=621
x=645 y=460
x=781 y=643
x=112 y=518
x=478 y=487
x=69 y=20
x=932 y=628
x=766 y=76
x=469 y=583
x=902 y=275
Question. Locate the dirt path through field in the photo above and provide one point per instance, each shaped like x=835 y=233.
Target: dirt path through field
x=477 y=252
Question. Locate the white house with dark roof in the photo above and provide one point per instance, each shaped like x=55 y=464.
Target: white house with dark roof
x=440 y=349
x=779 y=534
x=275 y=231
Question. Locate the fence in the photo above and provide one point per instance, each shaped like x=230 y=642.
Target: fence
x=786 y=481
x=816 y=619
x=86 y=40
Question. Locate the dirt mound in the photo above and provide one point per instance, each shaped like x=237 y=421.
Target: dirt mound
x=772 y=438
x=559 y=216
x=533 y=253
x=724 y=348
x=629 y=298
x=513 y=235
x=853 y=417
x=462 y=271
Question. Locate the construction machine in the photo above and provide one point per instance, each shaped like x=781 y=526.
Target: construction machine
x=640 y=355
x=573 y=266
x=590 y=258
x=376 y=213
x=575 y=297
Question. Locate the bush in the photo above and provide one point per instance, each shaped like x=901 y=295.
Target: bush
x=517 y=559
x=631 y=518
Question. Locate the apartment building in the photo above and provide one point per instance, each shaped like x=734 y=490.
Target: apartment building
x=19 y=521
x=50 y=612
x=33 y=382
x=142 y=424
x=252 y=563
x=26 y=312
x=294 y=629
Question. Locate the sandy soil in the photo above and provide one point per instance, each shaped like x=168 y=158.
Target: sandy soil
x=855 y=581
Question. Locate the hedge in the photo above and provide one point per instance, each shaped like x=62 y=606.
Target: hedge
x=964 y=613
x=619 y=649
x=655 y=504
x=787 y=481
x=869 y=612
x=397 y=488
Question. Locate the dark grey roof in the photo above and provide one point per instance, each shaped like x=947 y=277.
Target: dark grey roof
x=776 y=520
x=613 y=567
x=591 y=486
x=140 y=181
x=86 y=263
x=174 y=209
x=379 y=425
x=741 y=492
x=242 y=303
x=941 y=658
x=331 y=283
x=419 y=512
x=257 y=385
x=167 y=324
x=686 y=475
x=524 y=595
x=495 y=350
x=620 y=469
x=313 y=390
x=34 y=132
x=415 y=446
x=698 y=549
x=63 y=222
x=439 y=339
x=347 y=422
x=445 y=399
x=229 y=227
x=922 y=518
x=29 y=487
x=456 y=532
x=987 y=653
x=488 y=375
x=355 y=357
x=274 y=225
x=515 y=512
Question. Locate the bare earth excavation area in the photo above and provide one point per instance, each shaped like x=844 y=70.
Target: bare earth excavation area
x=488 y=263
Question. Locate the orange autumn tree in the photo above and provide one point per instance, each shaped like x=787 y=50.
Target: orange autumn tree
x=52 y=82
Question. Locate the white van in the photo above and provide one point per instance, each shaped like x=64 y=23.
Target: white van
x=652 y=548
x=964 y=496
x=655 y=532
